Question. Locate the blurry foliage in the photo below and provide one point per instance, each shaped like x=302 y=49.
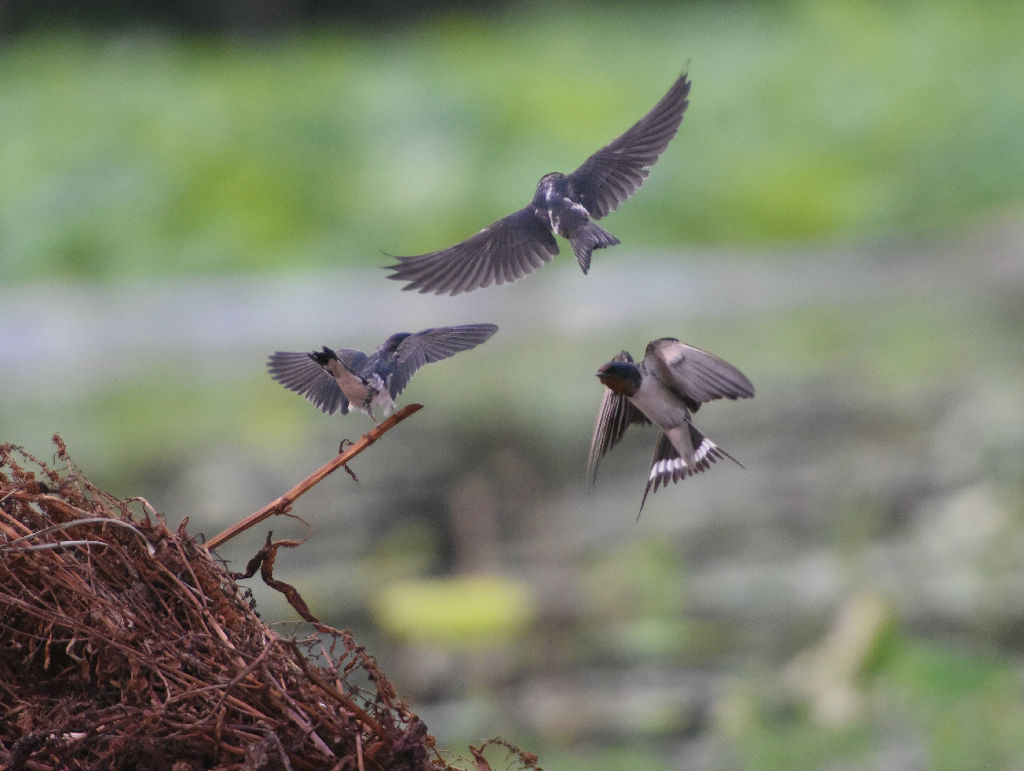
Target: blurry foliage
x=638 y=601
x=967 y=702
x=932 y=704
x=635 y=756
x=473 y=611
x=147 y=153
x=143 y=154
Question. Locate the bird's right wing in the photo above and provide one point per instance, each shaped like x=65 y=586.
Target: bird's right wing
x=616 y=414
x=500 y=253
x=430 y=345
x=300 y=373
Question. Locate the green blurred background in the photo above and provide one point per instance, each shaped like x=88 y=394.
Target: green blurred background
x=841 y=216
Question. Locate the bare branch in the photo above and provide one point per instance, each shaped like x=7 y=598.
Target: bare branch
x=282 y=504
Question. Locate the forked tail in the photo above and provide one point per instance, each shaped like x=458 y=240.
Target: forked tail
x=589 y=237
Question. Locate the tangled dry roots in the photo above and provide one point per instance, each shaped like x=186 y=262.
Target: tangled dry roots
x=124 y=645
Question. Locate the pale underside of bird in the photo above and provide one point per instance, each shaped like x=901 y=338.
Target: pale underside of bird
x=665 y=389
x=335 y=380
x=566 y=204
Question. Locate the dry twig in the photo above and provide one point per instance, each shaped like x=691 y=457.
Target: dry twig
x=282 y=504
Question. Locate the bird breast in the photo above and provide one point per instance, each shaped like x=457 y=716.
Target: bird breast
x=662 y=405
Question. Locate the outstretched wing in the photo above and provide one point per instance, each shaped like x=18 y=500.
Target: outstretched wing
x=616 y=414
x=698 y=376
x=429 y=345
x=500 y=253
x=617 y=170
x=300 y=373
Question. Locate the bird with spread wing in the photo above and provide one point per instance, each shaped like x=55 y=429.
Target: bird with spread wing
x=334 y=380
x=566 y=204
x=665 y=389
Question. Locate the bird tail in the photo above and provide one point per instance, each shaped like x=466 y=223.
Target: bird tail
x=668 y=466
x=589 y=237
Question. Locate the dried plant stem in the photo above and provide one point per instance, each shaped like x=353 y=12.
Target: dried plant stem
x=282 y=504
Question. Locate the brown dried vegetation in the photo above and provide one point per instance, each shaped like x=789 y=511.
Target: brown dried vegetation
x=125 y=645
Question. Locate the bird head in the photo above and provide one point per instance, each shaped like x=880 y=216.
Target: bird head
x=324 y=357
x=551 y=181
x=622 y=377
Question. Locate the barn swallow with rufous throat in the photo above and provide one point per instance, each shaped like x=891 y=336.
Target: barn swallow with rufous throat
x=670 y=384
x=336 y=380
x=565 y=204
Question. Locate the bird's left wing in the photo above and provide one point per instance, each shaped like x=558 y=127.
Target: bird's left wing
x=698 y=376
x=429 y=345
x=617 y=170
x=500 y=253
x=616 y=414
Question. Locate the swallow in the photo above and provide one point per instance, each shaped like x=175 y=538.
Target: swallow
x=665 y=389
x=337 y=380
x=566 y=204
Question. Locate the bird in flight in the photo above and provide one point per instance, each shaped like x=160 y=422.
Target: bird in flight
x=566 y=204
x=337 y=380
x=670 y=384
